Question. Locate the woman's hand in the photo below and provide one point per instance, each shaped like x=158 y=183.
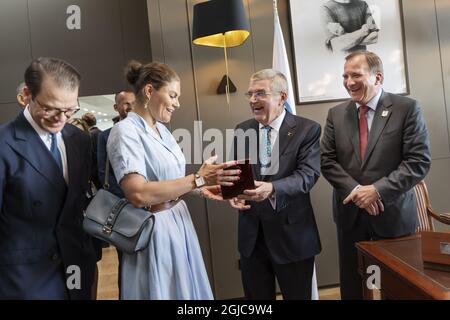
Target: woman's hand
x=211 y=172
x=212 y=193
x=263 y=191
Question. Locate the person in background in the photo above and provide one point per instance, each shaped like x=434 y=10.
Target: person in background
x=22 y=99
x=375 y=149
x=80 y=124
x=90 y=119
x=124 y=103
x=150 y=167
x=44 y=176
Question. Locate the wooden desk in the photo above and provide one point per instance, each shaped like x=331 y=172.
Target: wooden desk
x=402 y=273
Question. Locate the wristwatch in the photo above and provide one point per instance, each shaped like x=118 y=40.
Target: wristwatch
x=199 y=180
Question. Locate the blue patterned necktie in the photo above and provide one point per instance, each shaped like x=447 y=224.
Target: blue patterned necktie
x=55 y=152
x=266 y=147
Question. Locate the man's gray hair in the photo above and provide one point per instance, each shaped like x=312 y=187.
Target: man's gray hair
x=279 y=82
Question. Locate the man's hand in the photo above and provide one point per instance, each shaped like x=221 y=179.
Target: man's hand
x=375 y=208
x=212 y=193
x=239 y=204
x=366 y=197
x=263 y=191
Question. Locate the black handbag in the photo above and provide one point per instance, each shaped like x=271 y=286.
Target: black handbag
x=117 y=221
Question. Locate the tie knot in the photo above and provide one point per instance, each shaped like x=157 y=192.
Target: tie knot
x=267 y=127
x=364 y=109
x=53 y=138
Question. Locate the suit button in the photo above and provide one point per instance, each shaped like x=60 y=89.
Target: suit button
x=55 y=256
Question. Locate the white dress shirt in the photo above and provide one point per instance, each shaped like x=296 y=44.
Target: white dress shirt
x=372 y=104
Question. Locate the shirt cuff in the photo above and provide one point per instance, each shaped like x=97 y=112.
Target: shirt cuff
x=356 y=188
x=379 y=195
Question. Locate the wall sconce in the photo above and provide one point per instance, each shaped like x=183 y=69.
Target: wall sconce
x=220 y=23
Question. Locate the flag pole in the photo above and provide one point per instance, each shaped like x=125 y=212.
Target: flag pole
x=280 y=62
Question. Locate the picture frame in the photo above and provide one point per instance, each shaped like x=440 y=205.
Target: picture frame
x=324 y=32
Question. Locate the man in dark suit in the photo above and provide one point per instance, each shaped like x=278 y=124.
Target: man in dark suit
x=375 y=148
x=44 y=176
x=94 y=131
x=124 y=103
x=277 y=235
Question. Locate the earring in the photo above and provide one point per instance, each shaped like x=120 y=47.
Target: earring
x=146 y=106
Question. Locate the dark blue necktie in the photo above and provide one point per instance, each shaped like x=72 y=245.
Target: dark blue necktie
x=55 y=152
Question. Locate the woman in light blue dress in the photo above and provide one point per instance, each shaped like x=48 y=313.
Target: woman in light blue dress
x=150 y=166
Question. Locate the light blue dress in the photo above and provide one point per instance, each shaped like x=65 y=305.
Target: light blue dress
x=172 y=266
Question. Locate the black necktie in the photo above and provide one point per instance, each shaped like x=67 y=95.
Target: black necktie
x=55 y=152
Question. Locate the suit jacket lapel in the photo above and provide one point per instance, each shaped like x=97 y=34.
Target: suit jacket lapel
x=255 y=168
x=380 y=119
x=352 y=127
x=287 y=131
x=29 y=145
x=74 y=168
x=72 y=154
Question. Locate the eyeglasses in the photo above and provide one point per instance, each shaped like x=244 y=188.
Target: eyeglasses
x=258 y=94
x=53 y=112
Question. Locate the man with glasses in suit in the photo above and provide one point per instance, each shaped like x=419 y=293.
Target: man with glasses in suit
x=277 y=233
x=44 y=176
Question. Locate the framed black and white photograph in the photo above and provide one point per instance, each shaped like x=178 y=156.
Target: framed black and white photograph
x=325 y=31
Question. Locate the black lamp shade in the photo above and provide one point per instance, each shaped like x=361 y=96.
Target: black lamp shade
x=220 y=23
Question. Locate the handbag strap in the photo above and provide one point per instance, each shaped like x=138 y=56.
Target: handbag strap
x=112 y=217
x=106 y=182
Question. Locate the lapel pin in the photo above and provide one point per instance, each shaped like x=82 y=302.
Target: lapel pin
x=384 y=113
x=289 y=133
